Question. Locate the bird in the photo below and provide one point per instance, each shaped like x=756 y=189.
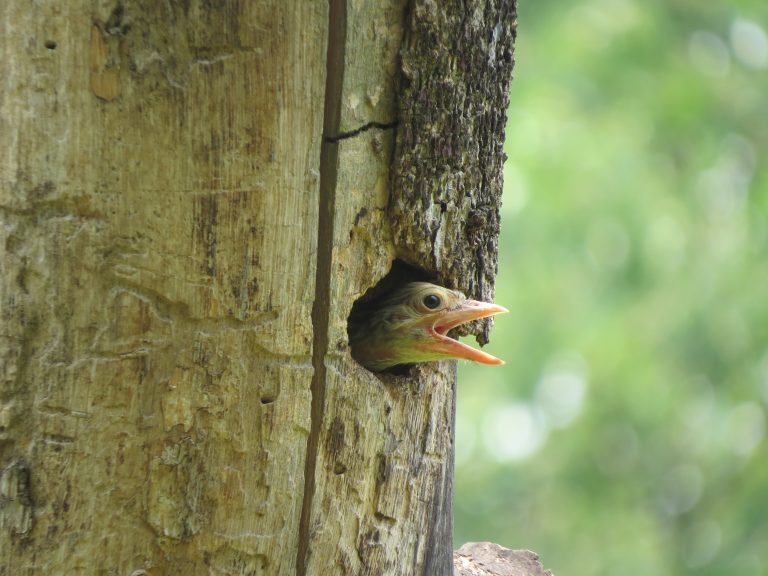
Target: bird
x=410 y=325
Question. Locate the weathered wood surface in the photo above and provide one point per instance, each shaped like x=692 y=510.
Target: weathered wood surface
x=402 y=424
x=487 y=559
x=185 y=228
x=382 y=443
x=159 y=191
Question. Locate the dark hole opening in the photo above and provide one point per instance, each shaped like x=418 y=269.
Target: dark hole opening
x=51 y=45
x=400 y=275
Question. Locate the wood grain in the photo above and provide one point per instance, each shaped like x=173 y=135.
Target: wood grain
x=192 y=197
x=159 y=198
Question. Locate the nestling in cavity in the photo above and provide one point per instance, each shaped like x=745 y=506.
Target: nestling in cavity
x=411 y=325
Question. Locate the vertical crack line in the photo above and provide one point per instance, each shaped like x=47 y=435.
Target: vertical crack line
x=329 y=157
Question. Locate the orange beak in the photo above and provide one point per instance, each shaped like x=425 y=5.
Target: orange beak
x=446 y=346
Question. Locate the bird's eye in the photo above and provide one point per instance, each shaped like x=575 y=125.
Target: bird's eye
x=431 y=301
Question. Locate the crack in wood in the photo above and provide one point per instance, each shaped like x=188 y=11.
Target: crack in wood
x=358 y=131
x=329 y=152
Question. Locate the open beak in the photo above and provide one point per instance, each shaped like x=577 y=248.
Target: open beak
x=443 y=344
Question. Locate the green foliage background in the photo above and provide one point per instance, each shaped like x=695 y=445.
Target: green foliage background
x=626 y=434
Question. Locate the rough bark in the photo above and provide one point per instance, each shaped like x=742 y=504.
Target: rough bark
x=185 y=228
x=457 y=64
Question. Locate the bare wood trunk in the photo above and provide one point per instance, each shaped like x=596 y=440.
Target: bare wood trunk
x=193 y=196
x=159 y=207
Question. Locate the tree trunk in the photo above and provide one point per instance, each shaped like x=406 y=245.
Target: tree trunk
x=193 y=195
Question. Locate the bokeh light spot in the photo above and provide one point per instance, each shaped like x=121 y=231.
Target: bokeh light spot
x=513 y=431
x=709 y=54
x=561 y=391
x=745 y=428
x=680 y=490
x=749 y=43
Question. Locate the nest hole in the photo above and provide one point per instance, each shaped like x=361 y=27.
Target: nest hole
x=399 y=275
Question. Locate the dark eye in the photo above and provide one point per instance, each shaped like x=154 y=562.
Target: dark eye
x=431 y=301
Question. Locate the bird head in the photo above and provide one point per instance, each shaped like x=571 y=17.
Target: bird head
x=412 y=324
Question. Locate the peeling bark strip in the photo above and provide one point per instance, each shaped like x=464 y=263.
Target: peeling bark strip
x=457 y=64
